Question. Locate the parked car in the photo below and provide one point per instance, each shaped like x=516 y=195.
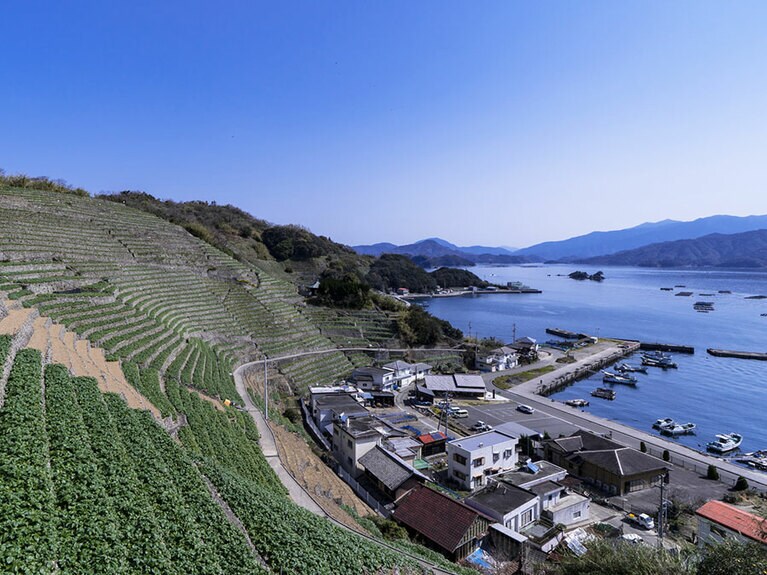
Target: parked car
x=525 y=408
x=642 y=520
x=481 y=426
x=633 y=538
x=459 y=413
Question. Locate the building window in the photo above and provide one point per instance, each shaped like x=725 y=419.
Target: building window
x=349 y=460
x=478 y=480
x=479 y=461
x=508 y=453
x=576 y=515
x=459 y=459
x=527 y=517
x=349 y=443
x=496 y=457
x=459 y=475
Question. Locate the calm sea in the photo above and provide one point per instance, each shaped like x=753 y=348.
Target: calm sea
x=720 y=395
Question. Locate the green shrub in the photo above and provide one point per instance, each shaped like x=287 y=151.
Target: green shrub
x=741 y=484
x=712 y=473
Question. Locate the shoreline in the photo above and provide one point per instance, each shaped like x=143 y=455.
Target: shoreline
x=468 y=293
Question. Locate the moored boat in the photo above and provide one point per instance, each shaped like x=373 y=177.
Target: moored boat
x=662 y=423
x=663 y=362
x=725 y=442
x=683 y=429
x=577 y=402
x=604 y=393
x=610 y=377
x=626 y=368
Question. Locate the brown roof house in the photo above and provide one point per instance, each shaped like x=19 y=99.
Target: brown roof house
x=607 y=464
x=444 y=524
x=390 y=474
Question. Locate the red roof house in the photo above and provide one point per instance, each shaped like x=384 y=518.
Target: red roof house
x=717 y=521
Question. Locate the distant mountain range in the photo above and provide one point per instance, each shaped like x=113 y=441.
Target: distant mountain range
x=436 y=252
x=605 y=243
x=744 y=250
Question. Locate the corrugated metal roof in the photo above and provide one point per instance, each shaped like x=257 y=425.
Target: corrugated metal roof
x=745 y=523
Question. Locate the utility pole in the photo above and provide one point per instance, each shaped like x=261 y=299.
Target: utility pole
x=661 y=511
x=513 y=332
x=266 y=388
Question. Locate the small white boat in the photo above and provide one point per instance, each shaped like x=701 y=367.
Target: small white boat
x=725 y=442
x=626 y=368
x=663 y=423
x=683 y=429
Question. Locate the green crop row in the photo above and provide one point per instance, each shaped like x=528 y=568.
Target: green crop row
x=27 y=533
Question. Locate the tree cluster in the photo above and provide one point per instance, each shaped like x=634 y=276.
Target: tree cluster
x=419 y=327
x=392 y=271
x=297 y=243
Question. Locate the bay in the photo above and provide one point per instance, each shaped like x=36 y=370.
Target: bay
x=720 y=395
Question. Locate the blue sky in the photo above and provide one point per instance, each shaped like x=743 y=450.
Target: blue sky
x=500 y=123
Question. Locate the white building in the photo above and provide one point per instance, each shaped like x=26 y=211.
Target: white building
x=353 y=437
x=373 y=378
x=470 y=460
x=403 y=372
x=498 y=359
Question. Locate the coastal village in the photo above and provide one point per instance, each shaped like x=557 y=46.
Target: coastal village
x=495 y=476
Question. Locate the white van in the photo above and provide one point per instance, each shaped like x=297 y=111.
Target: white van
x=460 y=413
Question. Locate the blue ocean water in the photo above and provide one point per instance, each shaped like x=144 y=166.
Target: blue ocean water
x=720 y=395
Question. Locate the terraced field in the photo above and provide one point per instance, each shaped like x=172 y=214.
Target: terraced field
x=149 y=293
x=112 y=321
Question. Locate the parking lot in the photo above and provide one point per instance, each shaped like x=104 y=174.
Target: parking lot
x=496 y=414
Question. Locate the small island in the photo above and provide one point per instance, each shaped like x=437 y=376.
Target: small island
x=580 y=276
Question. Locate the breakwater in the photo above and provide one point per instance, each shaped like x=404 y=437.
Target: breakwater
x=737 y=354
x=667 y=347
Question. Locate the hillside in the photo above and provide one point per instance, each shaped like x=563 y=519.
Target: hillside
x=746 y=250
x=436 y=252
x=605 y=243
x=119 y=453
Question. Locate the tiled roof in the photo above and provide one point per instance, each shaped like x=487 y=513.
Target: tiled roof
x=624 y=462
x=745 y=523
x=436 y=517
x=385 y=468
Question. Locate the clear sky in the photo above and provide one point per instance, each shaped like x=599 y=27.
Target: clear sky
x=495 y=123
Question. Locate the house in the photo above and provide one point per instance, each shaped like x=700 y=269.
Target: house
x=373 y=378
x=433 y=443
x=326 y=403
x=556 y=503
x=403 y=291
x=497 y=359
x=392 y=476
x=421 y=370
x=456 y=385
x=511 y=506
x=471 y=459
x=718 y=522
x=403 y=372
x=526 y=347
x=406 y=448
x=353 y=437
x=607 y=464
x=444 y=524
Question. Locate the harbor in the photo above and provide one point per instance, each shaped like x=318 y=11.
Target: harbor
x=719 y=394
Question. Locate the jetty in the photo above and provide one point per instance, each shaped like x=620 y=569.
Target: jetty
x=645 y=346
x=737 y=354
x=565 y=334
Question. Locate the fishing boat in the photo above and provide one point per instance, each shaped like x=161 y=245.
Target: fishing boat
x=604 y=393
x=703 y=306
x=662 y=362
x=577 y=402
x=725 y=442
x=683 y=429
x=626 y=368
x=610 y=377
x=662 y=423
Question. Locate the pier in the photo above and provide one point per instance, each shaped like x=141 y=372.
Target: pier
x=737 y=354
x=569 y=374
x=565 y=334
x=667 y=347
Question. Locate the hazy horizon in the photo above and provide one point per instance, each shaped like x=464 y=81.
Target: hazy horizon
x=513 y=124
